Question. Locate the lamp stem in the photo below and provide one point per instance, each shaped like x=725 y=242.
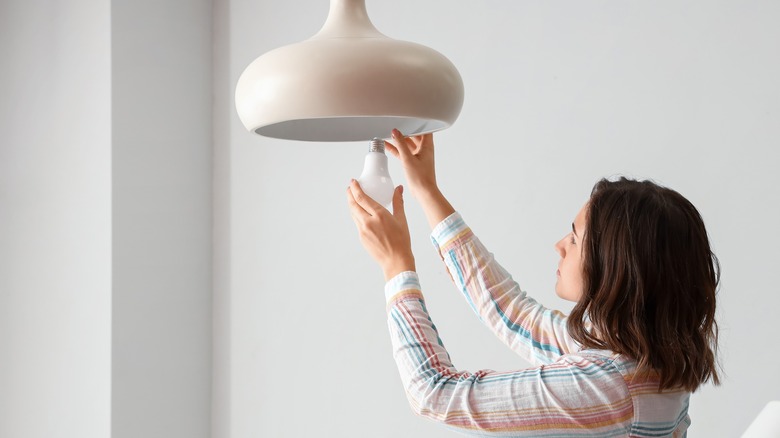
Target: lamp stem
x=348 y=19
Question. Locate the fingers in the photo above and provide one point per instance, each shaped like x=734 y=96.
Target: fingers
x=402 y=146
x=424 y=141
x=362 y=201
x=406 y=147
x=393 y=150
x=356 y=211
x=398 y=203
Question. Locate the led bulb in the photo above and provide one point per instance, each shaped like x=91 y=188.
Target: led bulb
x=375 y=179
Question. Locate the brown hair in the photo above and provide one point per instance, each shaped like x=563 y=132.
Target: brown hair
x=650 y=282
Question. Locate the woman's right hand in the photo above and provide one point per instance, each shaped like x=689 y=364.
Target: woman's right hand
x=416 y=156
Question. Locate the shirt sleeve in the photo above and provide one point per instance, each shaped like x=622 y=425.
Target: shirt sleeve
x=575 y=396
x=534 y=332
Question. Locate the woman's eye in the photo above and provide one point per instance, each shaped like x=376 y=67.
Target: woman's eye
x=572 y=239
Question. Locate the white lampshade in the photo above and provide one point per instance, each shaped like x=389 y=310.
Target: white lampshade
x=348 y=82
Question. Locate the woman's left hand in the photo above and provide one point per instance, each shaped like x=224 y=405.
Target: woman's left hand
x=385 y=235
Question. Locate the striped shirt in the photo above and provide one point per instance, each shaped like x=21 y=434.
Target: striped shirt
x=570 y=393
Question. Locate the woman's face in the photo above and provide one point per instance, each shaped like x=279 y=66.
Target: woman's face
x=570 y=275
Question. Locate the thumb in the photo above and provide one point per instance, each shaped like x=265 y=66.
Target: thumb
x=398 y=202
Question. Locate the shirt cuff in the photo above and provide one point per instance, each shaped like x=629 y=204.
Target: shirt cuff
x=448 y=231
x=404 y=283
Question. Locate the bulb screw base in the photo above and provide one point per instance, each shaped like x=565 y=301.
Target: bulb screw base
x=376 y=145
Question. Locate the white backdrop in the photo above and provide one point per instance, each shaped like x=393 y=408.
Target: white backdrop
x=55 y=220
x=558 y=95
x=105 y=218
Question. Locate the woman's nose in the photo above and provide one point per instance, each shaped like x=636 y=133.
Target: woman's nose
x=559 y=248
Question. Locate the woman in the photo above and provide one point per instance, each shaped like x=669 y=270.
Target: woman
x=640 y=339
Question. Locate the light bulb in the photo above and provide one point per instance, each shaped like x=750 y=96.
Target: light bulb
x=375 y=179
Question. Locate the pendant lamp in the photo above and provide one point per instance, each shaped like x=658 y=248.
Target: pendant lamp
x=348 y=82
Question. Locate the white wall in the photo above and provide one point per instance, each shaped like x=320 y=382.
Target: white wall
x=161 y=203
x=55 y=219
x=105 y=219
x=222 y=242
x=558 y=95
